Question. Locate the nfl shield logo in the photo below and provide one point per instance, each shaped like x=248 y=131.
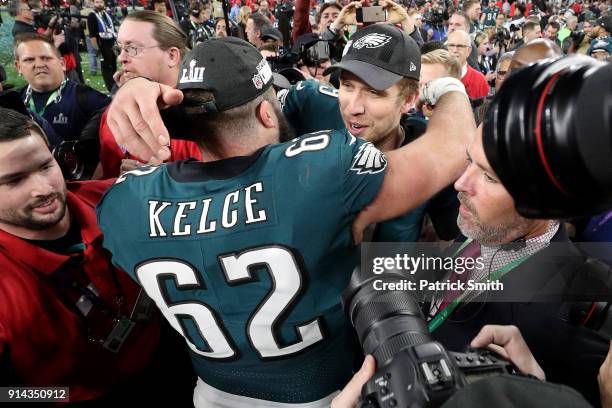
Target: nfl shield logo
x=257 y=81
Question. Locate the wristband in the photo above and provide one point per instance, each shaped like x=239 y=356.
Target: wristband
x=433 y=90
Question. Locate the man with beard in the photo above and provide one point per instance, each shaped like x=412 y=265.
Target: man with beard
x=247 y=252
x=68 y=318
x=536 y=263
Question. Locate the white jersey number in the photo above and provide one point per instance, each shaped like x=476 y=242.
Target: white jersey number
x=263 y=325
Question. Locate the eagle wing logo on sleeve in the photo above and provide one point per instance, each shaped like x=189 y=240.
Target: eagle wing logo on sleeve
x=373 y=40
x=369 y=160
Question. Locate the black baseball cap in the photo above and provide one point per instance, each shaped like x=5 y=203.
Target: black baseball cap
x=231 y=68
x=606 y=23
x=272 y=34
x=380 y=55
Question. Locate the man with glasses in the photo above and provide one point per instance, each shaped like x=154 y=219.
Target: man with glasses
x=149 y=45
x=503 y=66
x=103 y=34
x=460 y=45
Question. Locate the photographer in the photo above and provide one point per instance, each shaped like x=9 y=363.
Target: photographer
x=27 y=15
x=195 y=25
x=396 y=14
x=530 y=31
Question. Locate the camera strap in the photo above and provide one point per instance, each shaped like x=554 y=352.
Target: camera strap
x=442 y=315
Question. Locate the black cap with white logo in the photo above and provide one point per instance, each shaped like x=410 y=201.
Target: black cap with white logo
x=380 y=55
x=231 y=69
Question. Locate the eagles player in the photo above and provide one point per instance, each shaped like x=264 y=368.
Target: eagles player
x=489 y=14
x=246 y=253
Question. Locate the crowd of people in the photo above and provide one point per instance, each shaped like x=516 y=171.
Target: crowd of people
x=184 y=238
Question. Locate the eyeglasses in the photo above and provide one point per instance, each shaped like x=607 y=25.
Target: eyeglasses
x=131 y=50
x=458 y=46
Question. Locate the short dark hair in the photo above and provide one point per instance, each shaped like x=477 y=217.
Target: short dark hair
x=230 y=123
x=469 y=4
x=261 y=22
x=30 y=37
x=465 y=18
x=15 y=125
x=529 y=26
x=554 y=25
x=324 y=7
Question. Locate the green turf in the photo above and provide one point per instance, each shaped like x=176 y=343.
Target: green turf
x=6 y=59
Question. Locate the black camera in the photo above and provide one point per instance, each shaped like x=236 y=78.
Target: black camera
x=501 y=36
x=413 y=370
x=436 y=17
x=77 y=158
x=515 y=27
x=547 y=136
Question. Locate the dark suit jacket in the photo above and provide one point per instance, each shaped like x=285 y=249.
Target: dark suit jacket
x=568 y=353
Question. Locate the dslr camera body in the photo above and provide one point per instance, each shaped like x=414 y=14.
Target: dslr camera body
x=413 y=370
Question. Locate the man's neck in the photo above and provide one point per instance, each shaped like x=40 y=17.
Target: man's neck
x=46 y=89
x=393 y=140
x=214 y=150
x=539 y=227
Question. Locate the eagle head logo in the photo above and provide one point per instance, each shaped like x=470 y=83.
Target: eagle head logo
x=373 y=40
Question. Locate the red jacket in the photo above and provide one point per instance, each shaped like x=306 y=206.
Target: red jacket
x=46 y=340
x=475 y=84
x=111 y=154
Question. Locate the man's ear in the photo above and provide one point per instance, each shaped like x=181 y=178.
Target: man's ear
x=174 y=57
x=409 y=102
x=266 y=116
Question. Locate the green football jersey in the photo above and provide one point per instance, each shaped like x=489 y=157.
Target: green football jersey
x=311 y=106
x=247 y=257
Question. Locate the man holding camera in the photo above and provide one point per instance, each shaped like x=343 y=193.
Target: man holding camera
x=194 y=25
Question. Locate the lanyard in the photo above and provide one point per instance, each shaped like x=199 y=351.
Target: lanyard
x=440 y=317
x=55 y=97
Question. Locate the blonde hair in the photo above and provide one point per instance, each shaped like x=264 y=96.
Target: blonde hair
x=243 y=14
x=440 y=56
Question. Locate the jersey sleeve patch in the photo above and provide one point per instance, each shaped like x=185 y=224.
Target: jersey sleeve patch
x=369 y=160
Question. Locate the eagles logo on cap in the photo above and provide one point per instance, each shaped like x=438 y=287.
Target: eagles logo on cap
x=373 y=40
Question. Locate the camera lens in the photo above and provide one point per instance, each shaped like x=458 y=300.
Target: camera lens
x=547 y=136
x=386 y=321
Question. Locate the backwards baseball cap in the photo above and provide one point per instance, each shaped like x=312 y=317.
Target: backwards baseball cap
x=380 y=55
x=230 y=68
x=606 y=23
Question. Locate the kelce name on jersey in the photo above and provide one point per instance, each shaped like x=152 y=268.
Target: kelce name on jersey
x=207 y=222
